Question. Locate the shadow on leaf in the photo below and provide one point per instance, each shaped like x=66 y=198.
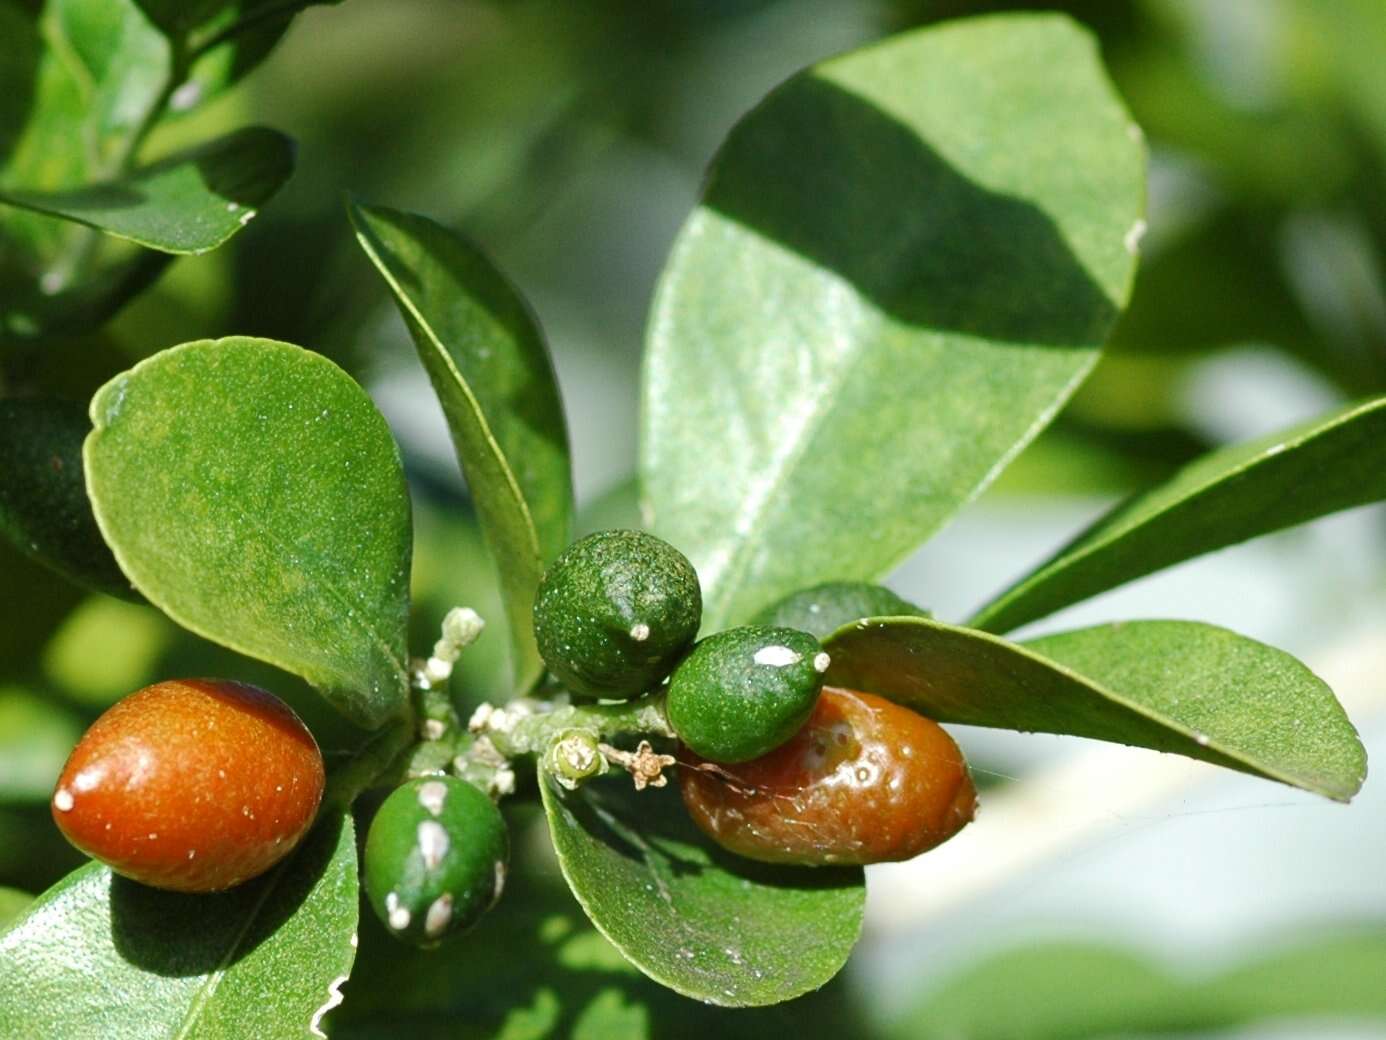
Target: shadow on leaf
x=173 y=934
x=829 y=175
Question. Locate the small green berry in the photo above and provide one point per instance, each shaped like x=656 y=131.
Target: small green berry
x=823 y=609
x=435 y=859
x=615 y=612
x=744 y=692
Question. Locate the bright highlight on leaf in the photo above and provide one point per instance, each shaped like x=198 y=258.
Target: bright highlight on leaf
x=252 y=492
x=904 y=262
x=1177 y=686
x=1335 y=462
x=490 y=368
x=261 y=960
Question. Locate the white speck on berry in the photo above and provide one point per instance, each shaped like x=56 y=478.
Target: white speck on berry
x=439 y=916
x=63 y=800
x=432 y=795
x=777 y=656
x=433 y=843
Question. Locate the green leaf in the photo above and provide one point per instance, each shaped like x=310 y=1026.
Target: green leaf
x=1334 y=462
x=252 y=492
x=36 y=736
x=122 y=65
x=98 y=957
x=44 y=509
x=1071 y=990
x=904 y=262
x=1176 y=686
x=535 y=968
x=490 y=368
x=707 y=924
x=188 y=203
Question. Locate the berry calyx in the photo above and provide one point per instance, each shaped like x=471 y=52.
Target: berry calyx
x=193 y=785
x=864 y=781
x=745 y=691
x=823 y=609
x=435 y=860
x=614 y=613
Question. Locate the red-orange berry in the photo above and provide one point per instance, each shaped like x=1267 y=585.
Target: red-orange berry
x=193 y=785
x=864 y=781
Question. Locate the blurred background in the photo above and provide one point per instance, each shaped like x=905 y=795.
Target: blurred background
x=1104 y=891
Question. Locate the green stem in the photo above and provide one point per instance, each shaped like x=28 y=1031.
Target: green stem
x=533 y=727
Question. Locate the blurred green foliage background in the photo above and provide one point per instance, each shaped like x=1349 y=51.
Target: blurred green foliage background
x=569 y=140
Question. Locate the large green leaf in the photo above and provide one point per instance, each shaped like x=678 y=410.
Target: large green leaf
x=1069 y=991
x=251 y=491
x=188 y=203
x=98 y=957
x=705 y=923
x=491 y=370
x=36 y=736
x=44 y=509
x=535 y=968
x=1335 y=462
x=904 y=262
x=1177 y=686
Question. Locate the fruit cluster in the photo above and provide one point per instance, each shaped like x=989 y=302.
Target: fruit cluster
x=199 y=785
x=775 y=766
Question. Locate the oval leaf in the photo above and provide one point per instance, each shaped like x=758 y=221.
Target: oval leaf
x=1177 y=686
x=43 y=495
x=491 y=370
x=252 y=492
x=905 y=261
x=98 y=957
x=1335 y=462
x=188 y=203
x=705 y=923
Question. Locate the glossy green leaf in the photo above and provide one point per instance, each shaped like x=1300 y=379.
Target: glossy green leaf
x=252 y=492
x=904 y=262
x=489 y=366
x=1070 y=990
x=707 y=924
x=44 y=509
x=98 y=957
x=36 y=735
x=1335 y=462
x=1176 y=686
x=535 y=968
x=188 y=203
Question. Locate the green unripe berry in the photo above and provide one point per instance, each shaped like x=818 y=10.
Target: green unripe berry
x=744 y=692
x=435 y=859
x=615 y=612
x=823 y=609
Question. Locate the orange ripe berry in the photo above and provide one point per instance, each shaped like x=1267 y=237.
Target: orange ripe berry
x=864 y=781
x=193 y=785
